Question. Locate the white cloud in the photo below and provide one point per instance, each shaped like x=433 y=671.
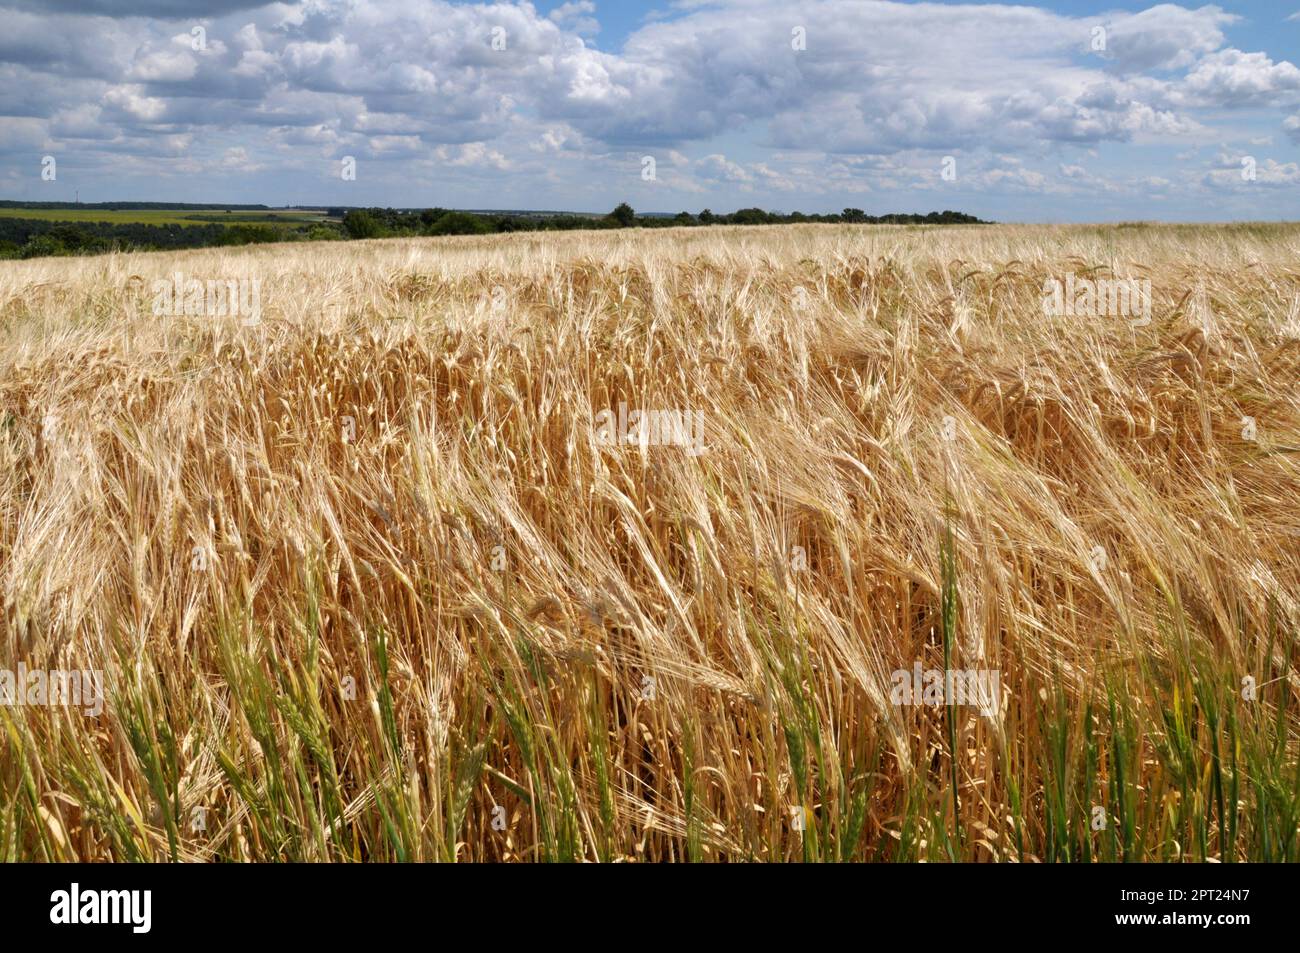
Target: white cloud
x=1164 y=37
x=131 y=101
x=715 y=90
x=1231 y=77
x=574 y=15
x=163 y=66
x=475 y=155
x=718 y=167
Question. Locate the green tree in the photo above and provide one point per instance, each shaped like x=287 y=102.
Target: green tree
x=459 y=223
x=361 y=224
x=623 y=215
x=39 y=246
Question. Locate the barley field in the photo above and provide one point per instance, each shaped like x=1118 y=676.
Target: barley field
x=365 y=579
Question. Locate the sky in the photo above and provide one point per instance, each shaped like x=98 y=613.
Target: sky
x=1066 y=111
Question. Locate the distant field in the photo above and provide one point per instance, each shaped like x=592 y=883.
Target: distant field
x=165 y=216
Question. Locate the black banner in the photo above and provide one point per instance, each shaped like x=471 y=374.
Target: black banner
x=335 y=903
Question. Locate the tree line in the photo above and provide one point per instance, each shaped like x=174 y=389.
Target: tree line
x=33 y=238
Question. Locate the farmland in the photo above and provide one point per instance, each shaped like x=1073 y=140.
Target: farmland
x=46 y=229
x=178 y=216
x=907 y=566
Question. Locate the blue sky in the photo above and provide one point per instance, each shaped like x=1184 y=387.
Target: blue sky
x=1066 y=111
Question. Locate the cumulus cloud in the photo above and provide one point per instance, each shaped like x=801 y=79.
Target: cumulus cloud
x=1164 y=37
x=844 y=94
x=475 y=155
x=1233 y=78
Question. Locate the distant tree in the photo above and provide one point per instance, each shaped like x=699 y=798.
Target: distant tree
x=623 y=215
x=249 y=235
x=42 y=245
x=72 y=238
x=459 y=223
x=361 y=224
x=684 y=218
x=853 y=215
x=707 y=217
x=322 y=233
